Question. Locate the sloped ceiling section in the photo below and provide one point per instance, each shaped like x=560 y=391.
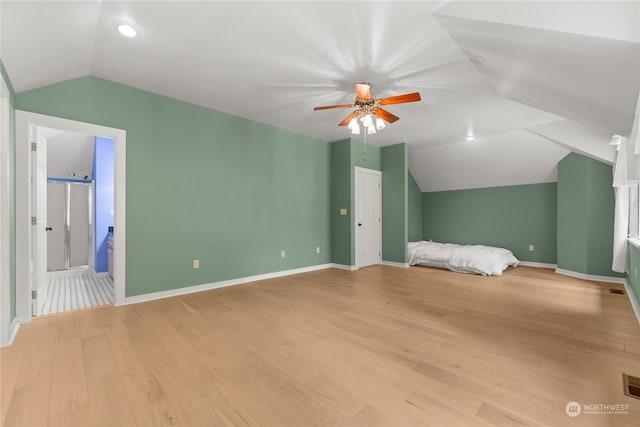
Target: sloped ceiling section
x=47 y=43
x=577 y=137
x=509 y=158
x=545 y=76
x=587 y=79
x=577 y=60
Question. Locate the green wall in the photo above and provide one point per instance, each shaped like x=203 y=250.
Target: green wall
x=364 y=157
x=634 y=265
x=414 y=211
x=341 y=198
x=572 y=218
x=204 y=184
x=394 y=203
x=345 y=156
x=511 y=217
x=585 y=216
x=12 y=195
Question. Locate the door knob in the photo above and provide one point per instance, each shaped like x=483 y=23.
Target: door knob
x=48 y=229
x=359 y=224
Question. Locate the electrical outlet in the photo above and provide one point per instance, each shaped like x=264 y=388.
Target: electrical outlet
x=532 y=248
x=196 y=263
x=283 y=254
x=317 y=249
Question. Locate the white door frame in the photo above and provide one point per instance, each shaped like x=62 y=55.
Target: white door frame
x=355 y=212
x=6 y=330
x=25 y=121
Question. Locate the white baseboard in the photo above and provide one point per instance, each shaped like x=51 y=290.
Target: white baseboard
x=15 y=325
x=591 y=277
x=395 y=264
x=344 y=267
x=632 y=299
x=13 y=330
x=537 y=264
x=215 y=285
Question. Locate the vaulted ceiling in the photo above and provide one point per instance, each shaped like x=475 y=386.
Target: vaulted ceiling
x=531 y=80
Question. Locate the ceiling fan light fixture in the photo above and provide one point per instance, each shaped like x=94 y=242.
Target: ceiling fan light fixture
x=367 y=105
x=366 y=121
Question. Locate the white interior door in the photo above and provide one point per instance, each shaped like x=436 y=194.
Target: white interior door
x=368 y=217
x=39 y=211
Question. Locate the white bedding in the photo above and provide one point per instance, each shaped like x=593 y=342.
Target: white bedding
x=485 y=260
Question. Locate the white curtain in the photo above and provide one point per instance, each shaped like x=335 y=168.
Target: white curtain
x=625 y=183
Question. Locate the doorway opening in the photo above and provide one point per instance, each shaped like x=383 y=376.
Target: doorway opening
x=79 y=220
x=71 y=192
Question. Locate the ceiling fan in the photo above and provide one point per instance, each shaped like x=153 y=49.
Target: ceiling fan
x=367 y=106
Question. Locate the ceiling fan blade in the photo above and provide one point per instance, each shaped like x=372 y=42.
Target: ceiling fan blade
x=348 y=118
x=363 y=91
x=399 y=99
x=329 y=107
x=385 y=115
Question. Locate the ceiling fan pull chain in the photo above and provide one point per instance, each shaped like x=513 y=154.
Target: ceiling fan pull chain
x=365 y=147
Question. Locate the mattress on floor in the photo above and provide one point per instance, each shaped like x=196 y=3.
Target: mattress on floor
x=478 y=259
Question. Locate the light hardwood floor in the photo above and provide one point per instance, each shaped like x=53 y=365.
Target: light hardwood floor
x=379 y=346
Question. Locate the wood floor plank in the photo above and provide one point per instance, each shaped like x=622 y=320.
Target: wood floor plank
x=500 y=417
x=68 y=382
x=37 y=363
x=381 y=346
x=146 y=397
x=29 y=405
x=77 y=418
x=109 y=404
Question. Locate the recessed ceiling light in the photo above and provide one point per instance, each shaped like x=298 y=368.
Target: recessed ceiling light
x=470 y=137
x=126 y=29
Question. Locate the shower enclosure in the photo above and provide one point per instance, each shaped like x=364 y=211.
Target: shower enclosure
x=70 y=225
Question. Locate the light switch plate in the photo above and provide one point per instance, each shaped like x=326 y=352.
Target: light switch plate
x=343 y=211
x=111 y=212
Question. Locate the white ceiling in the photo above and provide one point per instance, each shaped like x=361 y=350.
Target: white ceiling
x=68 y=153
x=527 y=77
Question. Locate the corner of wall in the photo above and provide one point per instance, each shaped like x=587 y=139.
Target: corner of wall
x=394 y=202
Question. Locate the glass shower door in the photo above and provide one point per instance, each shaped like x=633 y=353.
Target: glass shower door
x=79 y=235
x=56 y=226
x=69 y=229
